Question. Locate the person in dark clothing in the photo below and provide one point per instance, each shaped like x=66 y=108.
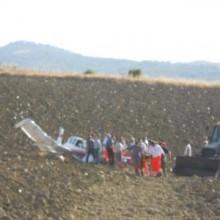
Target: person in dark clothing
x=109 y=148
x=165 y=158
x=90 y=148
x=136 y=157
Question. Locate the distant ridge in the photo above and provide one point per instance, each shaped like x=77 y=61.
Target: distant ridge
x=45 y=57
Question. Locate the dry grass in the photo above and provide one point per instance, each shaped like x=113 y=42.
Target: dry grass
x=13 y=70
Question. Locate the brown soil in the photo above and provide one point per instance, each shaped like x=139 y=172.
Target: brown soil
x=44 y=187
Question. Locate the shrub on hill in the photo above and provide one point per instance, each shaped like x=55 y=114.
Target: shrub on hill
x=89 y=72
x=135 y=72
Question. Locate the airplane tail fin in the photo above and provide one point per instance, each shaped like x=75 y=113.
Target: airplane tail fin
x=60 y=136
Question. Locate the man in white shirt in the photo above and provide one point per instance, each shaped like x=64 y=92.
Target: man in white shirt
x=146 y=141
x=119 y=147
x=188 y=150
x=144 y=152
x=143 y=147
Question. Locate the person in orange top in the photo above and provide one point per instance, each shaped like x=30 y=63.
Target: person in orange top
x=156 y=152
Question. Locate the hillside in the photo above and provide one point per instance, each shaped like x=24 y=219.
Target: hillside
x=166 y=111
x=43 y=187
x=49 y=58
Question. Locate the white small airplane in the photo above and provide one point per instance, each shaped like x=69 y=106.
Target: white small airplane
x=76 y=146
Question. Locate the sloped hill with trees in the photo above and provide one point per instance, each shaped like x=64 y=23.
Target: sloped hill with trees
x=49 y=58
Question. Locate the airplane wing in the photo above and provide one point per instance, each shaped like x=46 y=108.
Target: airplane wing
x=36 y=134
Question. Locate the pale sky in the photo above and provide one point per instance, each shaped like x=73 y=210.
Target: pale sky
x=163 y=30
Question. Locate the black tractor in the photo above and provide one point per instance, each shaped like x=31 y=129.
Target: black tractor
x=205 y=164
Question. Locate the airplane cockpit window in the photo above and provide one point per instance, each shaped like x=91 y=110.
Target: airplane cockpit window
x=79 y=143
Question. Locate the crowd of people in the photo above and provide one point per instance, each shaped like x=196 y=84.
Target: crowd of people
x=148 y=157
